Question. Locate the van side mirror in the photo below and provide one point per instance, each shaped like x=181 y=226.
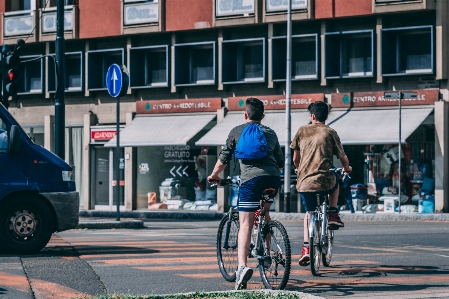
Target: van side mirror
x=14 y=140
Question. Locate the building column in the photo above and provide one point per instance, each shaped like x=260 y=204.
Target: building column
x=49 y=132
x=441 y=157
x=130 y=178
x=89 y=120
x=222 y=192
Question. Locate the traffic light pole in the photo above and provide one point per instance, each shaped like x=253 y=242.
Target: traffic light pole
x=59 y=97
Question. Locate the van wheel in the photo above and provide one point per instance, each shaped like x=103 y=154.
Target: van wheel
x=26 y=225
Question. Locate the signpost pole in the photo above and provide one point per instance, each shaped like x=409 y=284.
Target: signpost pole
x=117 y=159
x=288 y=95
x=399 y=152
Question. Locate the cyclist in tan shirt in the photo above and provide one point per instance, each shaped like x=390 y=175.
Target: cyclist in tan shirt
x=314 y=146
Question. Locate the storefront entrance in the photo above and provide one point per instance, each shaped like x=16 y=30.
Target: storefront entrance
x=103 y=193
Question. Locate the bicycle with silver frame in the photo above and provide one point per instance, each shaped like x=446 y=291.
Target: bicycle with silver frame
x=320 y=236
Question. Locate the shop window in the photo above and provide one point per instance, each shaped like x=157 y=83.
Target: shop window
x=224 y=8
x=278 y=5
x=195 y=64
x=98 y=62
x=349 y=54
x=407 y=51
x=149 y=66
x=304 y=57
x=243 y=61
x=31 y=69
x=140 y=12
x=73 y=76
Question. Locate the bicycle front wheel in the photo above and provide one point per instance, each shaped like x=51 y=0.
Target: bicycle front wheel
x=275 y=266
x=315 y=251
x=227 y=249
x=330 y=244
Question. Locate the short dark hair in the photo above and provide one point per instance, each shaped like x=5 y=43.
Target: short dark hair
x=254 y=109
x=320 y=110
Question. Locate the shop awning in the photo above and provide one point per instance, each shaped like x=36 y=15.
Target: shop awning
x=162 y=130
x=275 y=120
x=377 y=126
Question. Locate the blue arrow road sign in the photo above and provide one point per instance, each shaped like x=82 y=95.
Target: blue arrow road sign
x=114 y=80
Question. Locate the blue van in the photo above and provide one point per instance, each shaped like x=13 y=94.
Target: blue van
x=37 y=191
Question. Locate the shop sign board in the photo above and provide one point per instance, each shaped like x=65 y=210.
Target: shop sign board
x=277 y=102
x=178 y=106
x=102 y=135
x=377 y=99
x=428 y=82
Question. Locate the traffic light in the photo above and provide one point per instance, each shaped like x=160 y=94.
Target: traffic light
x=11 y=75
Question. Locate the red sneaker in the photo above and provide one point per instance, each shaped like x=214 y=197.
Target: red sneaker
x=334 y=221
x=305 y=256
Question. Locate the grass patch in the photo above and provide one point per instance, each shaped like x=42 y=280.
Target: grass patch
x=198 y=295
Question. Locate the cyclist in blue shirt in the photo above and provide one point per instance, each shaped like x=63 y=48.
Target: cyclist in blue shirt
x=256 y=176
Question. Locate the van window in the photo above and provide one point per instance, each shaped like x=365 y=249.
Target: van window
x=3 y=137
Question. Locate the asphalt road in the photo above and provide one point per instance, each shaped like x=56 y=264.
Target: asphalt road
x=371 y=260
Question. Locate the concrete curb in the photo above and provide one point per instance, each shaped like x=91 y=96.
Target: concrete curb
x=210 y=215
x=271 y=292
x=108 y=224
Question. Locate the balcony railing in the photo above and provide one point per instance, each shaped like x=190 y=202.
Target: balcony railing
x=48 y=24
x=18 y=23
x=136 y=13
x=282 y=5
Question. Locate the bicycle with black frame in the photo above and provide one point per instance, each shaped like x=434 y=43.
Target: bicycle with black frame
x=270 y=245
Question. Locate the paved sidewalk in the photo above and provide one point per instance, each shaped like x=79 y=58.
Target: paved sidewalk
x=106 y=219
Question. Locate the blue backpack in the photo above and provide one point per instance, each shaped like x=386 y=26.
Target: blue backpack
x=252 y=143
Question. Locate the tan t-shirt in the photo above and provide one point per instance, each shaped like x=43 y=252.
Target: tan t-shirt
x=317 y=145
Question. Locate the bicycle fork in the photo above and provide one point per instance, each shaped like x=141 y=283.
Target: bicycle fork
x=228 y=229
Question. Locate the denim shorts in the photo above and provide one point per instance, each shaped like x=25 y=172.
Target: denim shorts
x=309 y=199
x=250 y=193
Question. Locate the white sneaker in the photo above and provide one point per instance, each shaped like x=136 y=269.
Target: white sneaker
x=243 y=274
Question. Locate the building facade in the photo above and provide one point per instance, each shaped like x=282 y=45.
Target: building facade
x=193 y=62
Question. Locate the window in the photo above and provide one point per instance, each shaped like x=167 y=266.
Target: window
x=279 y=5
x=4 y=140
x=408 y=51
x=149 y=67
x=304 y=57
x=18 y=5
x=31 y=69
x=74 y=71
x=140 y=12
x=52 y=3
x=243 y=61
x=98 y=63
x=225 y=8
x=349 y=54
x=392 y=1
x=195 y=64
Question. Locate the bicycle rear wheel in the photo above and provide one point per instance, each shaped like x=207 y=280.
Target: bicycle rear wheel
x=330 y=244
x=315 y=252
x=227 y=257
x=275 y=267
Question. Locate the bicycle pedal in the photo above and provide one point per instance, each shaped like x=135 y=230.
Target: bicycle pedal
x=333 y=227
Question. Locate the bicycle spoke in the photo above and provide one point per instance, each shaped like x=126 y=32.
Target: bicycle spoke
x=275 y=267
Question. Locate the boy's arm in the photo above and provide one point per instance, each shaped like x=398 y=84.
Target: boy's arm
x=345 y=163
x=296 y=158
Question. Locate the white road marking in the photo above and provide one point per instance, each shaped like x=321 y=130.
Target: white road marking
x=442 y=255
